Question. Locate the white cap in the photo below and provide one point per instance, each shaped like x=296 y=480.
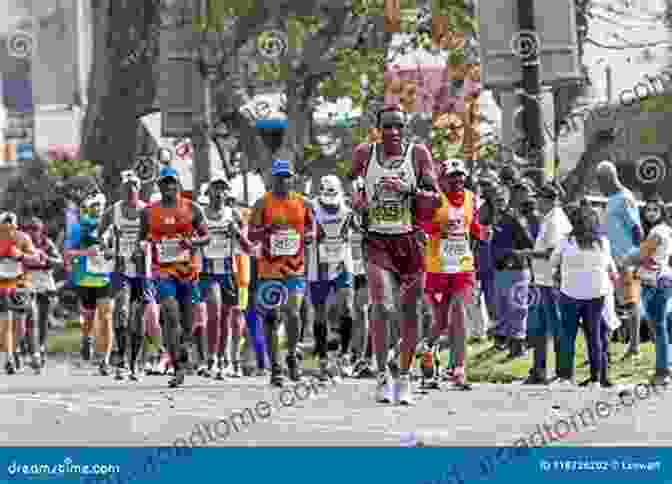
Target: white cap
x=454 y=165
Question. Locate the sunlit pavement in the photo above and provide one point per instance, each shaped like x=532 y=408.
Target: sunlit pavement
x=72 y=406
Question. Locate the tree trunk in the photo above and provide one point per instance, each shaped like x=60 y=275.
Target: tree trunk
x=123 y=83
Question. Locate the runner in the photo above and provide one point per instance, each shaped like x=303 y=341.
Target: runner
x=282 y=221
x=16 y=249
x=175 y=227
x=218 y=284
x=362 y=366
x=135 y=304
x=331 y=270
x=399 y=187
x=91 y=258
x=449 y=262
x=42 y=279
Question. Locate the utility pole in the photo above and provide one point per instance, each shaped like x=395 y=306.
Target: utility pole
x=531 y=83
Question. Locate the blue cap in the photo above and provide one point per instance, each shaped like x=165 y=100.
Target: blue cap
x=282 y=168
x=168 y=172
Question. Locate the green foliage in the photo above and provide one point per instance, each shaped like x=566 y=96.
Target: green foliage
x=219 y=12
x=656 y=104
x=441 y=148
x=64 y=169
x=343 y=168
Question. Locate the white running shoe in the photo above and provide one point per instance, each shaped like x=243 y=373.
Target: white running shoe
x=384 y=389
x=405 y=388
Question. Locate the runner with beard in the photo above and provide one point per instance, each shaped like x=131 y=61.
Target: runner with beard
x=331 y=270
x=175 y=227
x=135 y=302
x=218 y=284
x=282 y=220
x=42 y=279
x=450 y=265
x=400 y=188
x=16 y=249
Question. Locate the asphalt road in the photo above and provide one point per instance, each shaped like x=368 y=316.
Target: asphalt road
x=72 y=406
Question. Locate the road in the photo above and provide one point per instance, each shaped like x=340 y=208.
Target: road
x=72 y=406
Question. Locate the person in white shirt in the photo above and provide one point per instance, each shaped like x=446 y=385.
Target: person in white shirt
x=544 y=312
x=586 y=271
x=655 y=272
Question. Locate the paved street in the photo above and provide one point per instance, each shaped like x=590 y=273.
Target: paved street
x=71 y=406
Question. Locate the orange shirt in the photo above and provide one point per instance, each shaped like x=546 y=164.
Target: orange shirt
x=173 y=223
x=291 y=213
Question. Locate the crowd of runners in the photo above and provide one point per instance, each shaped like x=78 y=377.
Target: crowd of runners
x=374 y=275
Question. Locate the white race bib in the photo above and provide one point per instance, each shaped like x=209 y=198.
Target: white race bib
x=10 y=269
x=452 y=253
x=285 y=243
x=99 y=265
x=332 y=252
x=219 y=247
x=42 y=281
x=127 y=243
x=170 y=251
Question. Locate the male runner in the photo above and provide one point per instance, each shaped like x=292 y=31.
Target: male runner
x=135 y=304
x=218 y=284
x=331 y=269
x=89 y=256
x=16 y=249
x=174 y=226
x=400 y=188
x=283 y=222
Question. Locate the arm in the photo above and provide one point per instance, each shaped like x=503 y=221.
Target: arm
x=257 y=230
x=53 y=255
x=201 y=238
x=106 y=220
x=427 y=192
x=310 y=230
x=631 y=218
x=477 y=230
x=360 y=158
x=27 y=252
x=239 y=229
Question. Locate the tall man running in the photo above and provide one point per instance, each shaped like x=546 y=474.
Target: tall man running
x=625 y=234
x=174 y=226
x=400 y=187
x=283 y=221
x=135 y=304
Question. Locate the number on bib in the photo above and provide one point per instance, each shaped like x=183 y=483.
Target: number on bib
x=99 y=265
x=285 y=243
x=453 y=255
x=170 y=251
x=332 y=252
x=10 y=269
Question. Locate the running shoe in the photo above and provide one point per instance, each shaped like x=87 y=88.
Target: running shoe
x=85 y=348
x=104 y=368
x=362 y=369
x=10 y=368
x=277 y=379
x=36 y=363
x=293 y=370
x=236 y=370
x=203 y=371
x=134 y=376
x=164 y=364
x=178 y=379
x=404 y=387
x=384 y=389
x=345 y=366
x=324 y=376
x=43 y=356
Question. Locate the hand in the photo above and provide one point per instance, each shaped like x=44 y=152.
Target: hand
x=486 y=233
x=396 y=185
x=15 y=253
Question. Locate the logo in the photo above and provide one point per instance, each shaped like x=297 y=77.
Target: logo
x=20 y=44
x=651 y=169
x=272 y=44
x=525 y=44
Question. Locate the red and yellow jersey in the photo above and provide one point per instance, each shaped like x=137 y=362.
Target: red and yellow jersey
x=283 y=255
x=8 y=245
x=448 y=250
x=167 y=228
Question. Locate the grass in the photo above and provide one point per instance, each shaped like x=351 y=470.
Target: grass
x=484 y=365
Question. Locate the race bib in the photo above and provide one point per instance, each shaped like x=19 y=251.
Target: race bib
x=99 y=265
x=219 y=247
x=332 y=252
x=10 y=269
x=42 y=281
x=171 y=251
x=285 y=243
x=454 y=253
x=127 y=243
x=388 y=213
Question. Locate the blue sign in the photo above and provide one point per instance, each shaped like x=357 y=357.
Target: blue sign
x=271 y=124
x=24 y=152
